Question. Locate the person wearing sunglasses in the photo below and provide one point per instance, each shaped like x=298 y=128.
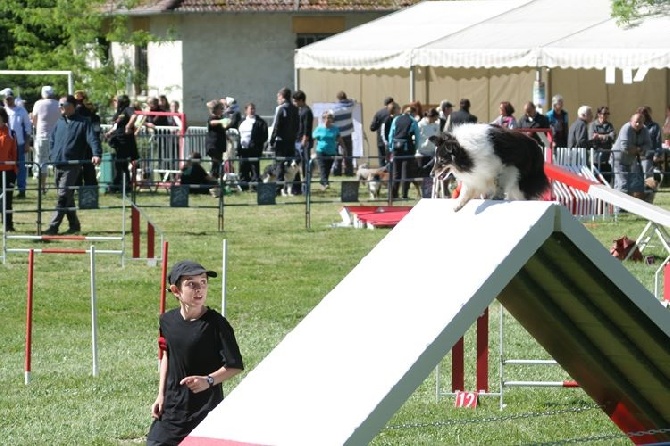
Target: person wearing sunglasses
x=602 y=135
x=70 y=140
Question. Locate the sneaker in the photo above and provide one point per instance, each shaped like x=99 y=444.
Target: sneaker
x=72 y=231
x=51 y=231
x=11 y=228
x=21 y=194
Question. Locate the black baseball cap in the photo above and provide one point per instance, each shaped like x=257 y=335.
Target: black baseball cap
x=187 y=268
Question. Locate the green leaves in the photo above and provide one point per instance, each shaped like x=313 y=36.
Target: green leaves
x=64 y=35
x=627 y=11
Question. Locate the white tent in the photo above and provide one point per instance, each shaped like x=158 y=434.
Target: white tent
x=490 y=51
x=392 y=41
x=504 y=33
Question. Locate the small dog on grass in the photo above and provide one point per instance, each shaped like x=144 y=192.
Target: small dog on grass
x=291 y=171
x=490 y=161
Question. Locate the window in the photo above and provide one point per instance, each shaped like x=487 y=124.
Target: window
x=306 y=39
x=141 y=68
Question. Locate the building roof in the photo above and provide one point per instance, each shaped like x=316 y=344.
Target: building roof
x=237 y=6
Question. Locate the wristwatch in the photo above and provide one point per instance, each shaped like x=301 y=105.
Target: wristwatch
x=210 y=381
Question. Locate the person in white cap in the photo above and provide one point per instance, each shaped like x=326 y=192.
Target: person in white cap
x=45 y=115
x=19 y=122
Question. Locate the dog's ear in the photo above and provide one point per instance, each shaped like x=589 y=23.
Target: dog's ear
x=436 y=139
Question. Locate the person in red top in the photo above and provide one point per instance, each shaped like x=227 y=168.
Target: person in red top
x=8 y=167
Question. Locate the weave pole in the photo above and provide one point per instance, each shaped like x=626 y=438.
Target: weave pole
x=135 y=221
x=94 y=316
x=224 y=260
x=458 y=358
x=29 y=318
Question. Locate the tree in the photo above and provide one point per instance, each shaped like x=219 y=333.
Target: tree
x=64 y=35
x=627 y=11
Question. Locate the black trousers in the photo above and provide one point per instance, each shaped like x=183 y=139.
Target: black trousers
x=10 y=184
x=66 y=179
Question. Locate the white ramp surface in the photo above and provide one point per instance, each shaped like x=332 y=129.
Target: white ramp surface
x=340 y=375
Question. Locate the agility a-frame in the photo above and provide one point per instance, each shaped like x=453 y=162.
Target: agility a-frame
x=339 y=376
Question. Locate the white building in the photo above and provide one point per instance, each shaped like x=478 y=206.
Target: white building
x=234 y=48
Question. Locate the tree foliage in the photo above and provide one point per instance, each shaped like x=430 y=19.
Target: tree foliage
x=63 y=35
x=627 y=11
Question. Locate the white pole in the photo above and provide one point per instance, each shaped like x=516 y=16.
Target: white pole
x=70 y=82
x=224 y=254
x=4 y=218
x=94 y=315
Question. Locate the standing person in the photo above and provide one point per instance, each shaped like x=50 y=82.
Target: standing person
x=428 y=126
x=446 y=108
x=303 y=144
x=86 y=109
x=7 y=155
x=376 y=126
x=121 y=138
x=153 y=121
x=215 y=142
x=200 y=352
x=653 y=154
x=394 y=110
x=45 y=115
x=531 y=119
x=578 y=134
x=19 y=122
x=506 y=118
x=404 y=136
x=174 y=121
x=253 y=136
x=633 y=142
x=163 y=103
x=602 y=135
x=343 y=111
x=327 y=137
x=463 y=116
x=558 y=122
x=69 y=143
x=284 y=132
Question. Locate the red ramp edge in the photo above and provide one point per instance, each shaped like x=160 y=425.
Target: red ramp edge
x=557 y=173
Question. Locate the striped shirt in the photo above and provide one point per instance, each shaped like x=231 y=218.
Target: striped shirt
x=343 y=117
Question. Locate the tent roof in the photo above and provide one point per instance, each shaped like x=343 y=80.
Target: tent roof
x=608 y=45
x=389 y=42
x=482 y=33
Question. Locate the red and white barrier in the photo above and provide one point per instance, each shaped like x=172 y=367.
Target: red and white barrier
x=135 y=223
x=614 y=197
x=30 y=301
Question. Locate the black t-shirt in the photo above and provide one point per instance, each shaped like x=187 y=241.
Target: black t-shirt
x=197 y=347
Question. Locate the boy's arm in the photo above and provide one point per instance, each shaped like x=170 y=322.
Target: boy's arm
x=157 y=406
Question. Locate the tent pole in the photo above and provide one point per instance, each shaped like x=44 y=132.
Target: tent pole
x=411 y=83
x=296 y=78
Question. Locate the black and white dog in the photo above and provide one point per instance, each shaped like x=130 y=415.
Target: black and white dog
x=489 y=160
x=291 y=170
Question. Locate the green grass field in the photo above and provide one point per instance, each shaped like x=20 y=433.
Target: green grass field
x=277 y=272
